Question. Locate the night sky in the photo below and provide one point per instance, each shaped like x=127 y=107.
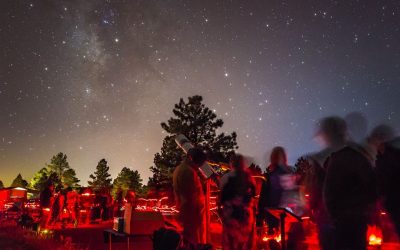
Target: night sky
x=94 y=79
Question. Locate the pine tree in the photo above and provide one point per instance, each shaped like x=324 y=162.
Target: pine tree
x=19 y=182
x=39 y=180
x=69 y=178
x=255 y=170
x=100 y=178
x=60 y=173
x=127 y=179
x=58 y=164
x=199 y=124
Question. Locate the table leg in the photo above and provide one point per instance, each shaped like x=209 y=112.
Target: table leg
x=128 y=243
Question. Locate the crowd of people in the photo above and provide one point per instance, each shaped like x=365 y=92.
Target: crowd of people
x=340 y=188
x=68 y=206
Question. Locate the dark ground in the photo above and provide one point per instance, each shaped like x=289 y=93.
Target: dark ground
x=92 y=237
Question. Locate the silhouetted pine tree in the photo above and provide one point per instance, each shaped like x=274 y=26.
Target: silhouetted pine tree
x=127 y=179
x=199 y=124
x=60 y=173
x=19 y=182
x=100 y=179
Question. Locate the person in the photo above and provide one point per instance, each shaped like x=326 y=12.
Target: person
x=333 y=136
x=349 y=193
x=119 y=203
x=96 y=208
x=46 y=195
x=271 y=190
x=189 y=197
x=72 y=205
x=104 y=200
x=237 y=192
x=57 y=208
x=388 y=170
x=375 y=142
x=46 y=203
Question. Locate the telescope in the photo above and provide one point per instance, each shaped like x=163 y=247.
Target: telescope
x=183 y=142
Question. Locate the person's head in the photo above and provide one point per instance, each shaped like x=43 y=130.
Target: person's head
x=196 y=157
x=357 y=126
x=332 y=130
x=51 y=186
x=381 y=134
x=278 y=156
x=237 y=162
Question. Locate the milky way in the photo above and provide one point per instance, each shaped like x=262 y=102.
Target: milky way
x=94 y=79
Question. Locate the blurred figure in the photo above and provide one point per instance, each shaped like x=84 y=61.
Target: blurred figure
x=46 y=203
x=388 y=171
x=380 y=135
x=46 y=196
x=118 y=203
x=357 y=125
x=349 y=193
x=96 y=208
x=189 y=197
x=57 y=208
x=272 y=190
x=237 y=193
x=25 y=220
x=72 y=205
x=104 y=200
x=332 y=134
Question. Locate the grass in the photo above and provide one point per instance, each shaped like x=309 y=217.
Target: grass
x=17 y=238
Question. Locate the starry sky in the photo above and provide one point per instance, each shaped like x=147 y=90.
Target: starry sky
x=95 y=78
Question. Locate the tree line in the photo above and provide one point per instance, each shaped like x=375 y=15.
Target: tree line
x=59 y=173
x=191 y=118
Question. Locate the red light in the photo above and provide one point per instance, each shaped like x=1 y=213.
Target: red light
x=277 y=238
x=374 y=236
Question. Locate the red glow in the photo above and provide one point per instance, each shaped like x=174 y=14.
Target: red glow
x=374 y=236
x=277 y=238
